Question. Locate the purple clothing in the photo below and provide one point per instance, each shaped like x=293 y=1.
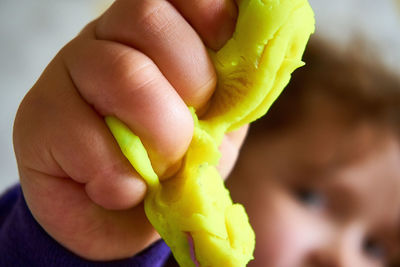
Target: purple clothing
x=23 y=242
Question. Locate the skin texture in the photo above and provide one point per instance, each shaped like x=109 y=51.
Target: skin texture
x=324 y=193
x=143 y=62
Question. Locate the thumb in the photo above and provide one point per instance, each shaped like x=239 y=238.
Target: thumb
x=230 y=147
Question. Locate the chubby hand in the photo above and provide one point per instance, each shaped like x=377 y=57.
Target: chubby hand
x=144 y=62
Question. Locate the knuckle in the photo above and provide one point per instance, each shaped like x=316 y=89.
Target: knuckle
x=130 y=69
x=108 y=81
x=128 y=74
x=176 y=135
x=127 y=19
x=155 y=17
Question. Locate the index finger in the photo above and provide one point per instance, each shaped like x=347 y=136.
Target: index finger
x=158 y=30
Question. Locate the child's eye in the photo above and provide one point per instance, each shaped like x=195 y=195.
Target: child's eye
x=311 y=198
x=374 y=249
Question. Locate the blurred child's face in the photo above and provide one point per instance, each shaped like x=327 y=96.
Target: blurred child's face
x=324 y=194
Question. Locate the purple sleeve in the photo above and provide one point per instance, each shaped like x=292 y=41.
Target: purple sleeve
x=24 y=243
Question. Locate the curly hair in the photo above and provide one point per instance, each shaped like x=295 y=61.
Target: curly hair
x=356 y=81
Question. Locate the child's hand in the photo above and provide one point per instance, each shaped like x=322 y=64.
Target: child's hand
x=143 y=62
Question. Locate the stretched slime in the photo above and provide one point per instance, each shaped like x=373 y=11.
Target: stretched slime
x=193 y=211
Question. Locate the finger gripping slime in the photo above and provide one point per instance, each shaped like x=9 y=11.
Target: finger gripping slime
x=193 y=211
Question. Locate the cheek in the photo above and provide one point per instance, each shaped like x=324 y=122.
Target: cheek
x=284 y=231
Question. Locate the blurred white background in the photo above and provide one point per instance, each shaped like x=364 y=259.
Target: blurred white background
x=31 y=33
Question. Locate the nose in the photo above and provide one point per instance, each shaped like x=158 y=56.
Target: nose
x=325 y=258
x=341 y=249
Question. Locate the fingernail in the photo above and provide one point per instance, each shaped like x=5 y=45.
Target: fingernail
x=171 y=171
x=203 y=110
x=228 y=25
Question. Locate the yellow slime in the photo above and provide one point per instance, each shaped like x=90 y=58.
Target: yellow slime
x=194 y=209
